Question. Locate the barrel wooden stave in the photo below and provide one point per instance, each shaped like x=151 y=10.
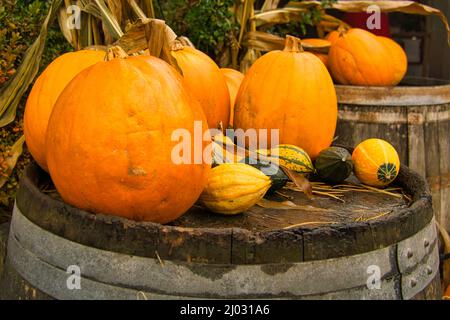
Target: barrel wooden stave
x=4 y=228
x=230 y=262
x=415 y=120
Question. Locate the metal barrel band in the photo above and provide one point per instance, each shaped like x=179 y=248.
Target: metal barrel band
x=39 y=255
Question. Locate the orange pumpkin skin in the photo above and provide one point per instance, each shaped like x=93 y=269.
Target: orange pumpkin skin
x=358 y=57
x=109 y=141
x=332 y=36
x=291 y=91
x=319 y=43
x=376 y=162
x=234 y=79
x=399 y=55
x=44 y=94
x=205 y=82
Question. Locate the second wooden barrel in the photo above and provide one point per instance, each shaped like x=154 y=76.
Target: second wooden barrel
x=415 y=118
x=373 y=246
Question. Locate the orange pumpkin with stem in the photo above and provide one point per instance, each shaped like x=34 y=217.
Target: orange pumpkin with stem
x=205 y=82
x=292 y=91
x=234 y=79
x=44 y=94
x=109 y=140
x=359 y=57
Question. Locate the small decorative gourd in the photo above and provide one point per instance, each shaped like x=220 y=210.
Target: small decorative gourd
x=334 y=164
x=376 y=162
x=234 y=188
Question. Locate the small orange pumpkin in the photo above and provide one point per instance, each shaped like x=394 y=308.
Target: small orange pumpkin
x=46 y=91
x=359 y=57
x=376 y=162
x=109 y=141
x=234 y=79
x=292 y=91
x=205 y=82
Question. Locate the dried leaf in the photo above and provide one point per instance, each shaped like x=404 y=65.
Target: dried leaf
x=135 y=39
x=11 y=93
x=90 y=8
x=15 y=152
x=247 y=9
x=278 y=16
x=287 y=205
x=409 y=7
x=109 y=21
x=62 y=21
x=249 y=58
x=309 y=223
x=147 y=6
x=270 y=5
x=137 y=10
x=299 y=180
x=258 y=40
x=116 y=8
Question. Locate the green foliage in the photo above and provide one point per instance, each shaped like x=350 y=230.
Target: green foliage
x=20 y=23
x=300 y=28
x=209 y=24
x=212 y=22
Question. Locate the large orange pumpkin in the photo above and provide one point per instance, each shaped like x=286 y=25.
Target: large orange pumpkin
x=359 y=57
x=234 y=79
x=44 y=94
x=205 y=82
x=109 y=141
x=289 y=90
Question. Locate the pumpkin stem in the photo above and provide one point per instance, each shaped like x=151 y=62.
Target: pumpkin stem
x=115 y=52
x=176 y=45
x=185 y=41
x=342 y=30
x=293 y=44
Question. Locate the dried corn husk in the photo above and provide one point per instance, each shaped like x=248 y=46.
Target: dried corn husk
x=9 y=163
x=11 y=93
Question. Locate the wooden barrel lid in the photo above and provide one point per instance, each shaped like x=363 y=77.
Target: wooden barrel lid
x=412 y=91
x=258 y=236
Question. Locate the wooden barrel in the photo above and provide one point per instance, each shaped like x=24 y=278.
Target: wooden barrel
x=4 y=227
x=348 y=251
x=415 y=118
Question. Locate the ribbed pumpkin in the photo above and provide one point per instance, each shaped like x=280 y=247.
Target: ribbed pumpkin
x=376 y=162
x=316 y=42
x=289 y=90
x=398 y=55
x=205 y=82
x=109 y=146
x=234 y=79
x=46 y=91
x=359 y=57
x=334 y=164
x=292 y=157
x=234 y=187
